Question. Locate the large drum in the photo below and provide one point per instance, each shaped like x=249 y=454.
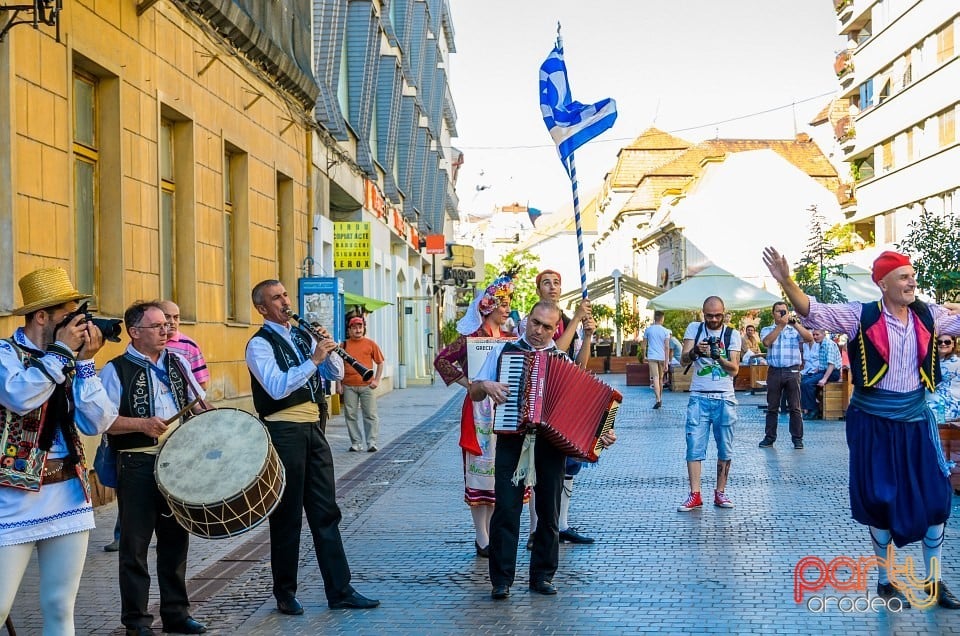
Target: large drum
x=220 y=474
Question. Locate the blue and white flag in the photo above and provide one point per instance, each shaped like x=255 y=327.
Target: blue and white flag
x=571 y=124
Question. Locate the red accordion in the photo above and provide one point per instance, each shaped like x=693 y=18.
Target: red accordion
x=566 y=405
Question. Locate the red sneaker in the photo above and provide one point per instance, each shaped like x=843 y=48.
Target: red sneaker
x=693 y=501
x=721 y=500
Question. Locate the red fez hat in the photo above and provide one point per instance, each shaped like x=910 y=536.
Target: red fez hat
x=886 y=263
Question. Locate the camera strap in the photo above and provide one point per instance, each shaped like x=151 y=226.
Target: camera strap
x=725 y=333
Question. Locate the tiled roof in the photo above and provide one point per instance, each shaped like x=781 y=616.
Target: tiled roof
x=651 y=149
x=833 y=111
x=678 y=172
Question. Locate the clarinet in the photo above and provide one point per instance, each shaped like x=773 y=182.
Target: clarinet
x=364 y=372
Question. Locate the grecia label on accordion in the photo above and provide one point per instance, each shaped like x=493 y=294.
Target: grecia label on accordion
x=477 y=350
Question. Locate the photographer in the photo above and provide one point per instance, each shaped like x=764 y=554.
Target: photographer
x=782 y=340
x=714 y=350
x=49 y=393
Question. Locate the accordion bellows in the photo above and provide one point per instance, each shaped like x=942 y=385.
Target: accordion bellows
x=569 y=407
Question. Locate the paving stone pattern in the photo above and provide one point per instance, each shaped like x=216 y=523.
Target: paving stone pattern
x=409 y=538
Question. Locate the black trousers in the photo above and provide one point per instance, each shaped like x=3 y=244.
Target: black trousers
x=783 y=381
x=143 y=512
x=311 y=488
x=505 y=524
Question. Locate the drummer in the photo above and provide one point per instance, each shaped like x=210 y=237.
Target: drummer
x=150 y=384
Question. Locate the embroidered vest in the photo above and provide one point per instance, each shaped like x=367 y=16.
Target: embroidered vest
x=22 y=462
x=136 y=395
x=286 y=359
x=870 y=350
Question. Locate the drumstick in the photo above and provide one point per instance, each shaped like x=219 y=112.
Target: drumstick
x=182 y=412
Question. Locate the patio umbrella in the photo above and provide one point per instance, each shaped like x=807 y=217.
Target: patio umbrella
x=859 y=286
x=737 y=294
x=368 y=304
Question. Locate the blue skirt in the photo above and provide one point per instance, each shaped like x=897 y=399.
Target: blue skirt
x=896 y=482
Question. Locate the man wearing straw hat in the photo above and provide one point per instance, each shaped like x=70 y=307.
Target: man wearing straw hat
x=48 y=390
x=150 y=386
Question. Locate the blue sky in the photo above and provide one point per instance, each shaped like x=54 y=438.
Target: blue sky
x=670 y=63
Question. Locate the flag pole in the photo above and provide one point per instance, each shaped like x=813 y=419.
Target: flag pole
x=576 y=203
x=576 y=219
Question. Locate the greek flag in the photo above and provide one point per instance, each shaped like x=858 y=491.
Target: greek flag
x=571 y=124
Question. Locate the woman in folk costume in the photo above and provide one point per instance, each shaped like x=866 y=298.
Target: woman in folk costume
x=485 y=318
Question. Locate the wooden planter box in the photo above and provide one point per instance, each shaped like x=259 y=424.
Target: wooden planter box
x=638 y=374
x=680 y=381
x=950 y=440
x=618 y=364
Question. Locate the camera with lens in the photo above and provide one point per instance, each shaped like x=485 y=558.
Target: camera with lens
x=714 y=343
x=111 y=328
x=782 y=312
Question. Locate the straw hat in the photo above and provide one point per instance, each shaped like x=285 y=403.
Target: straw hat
x=47 y=287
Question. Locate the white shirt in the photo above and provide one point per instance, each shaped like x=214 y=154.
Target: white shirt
x=278 y=383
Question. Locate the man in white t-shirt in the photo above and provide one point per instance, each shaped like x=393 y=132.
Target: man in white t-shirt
x=714 y=351
x=656 y=351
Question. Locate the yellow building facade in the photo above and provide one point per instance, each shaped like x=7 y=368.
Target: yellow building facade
x=151 y=159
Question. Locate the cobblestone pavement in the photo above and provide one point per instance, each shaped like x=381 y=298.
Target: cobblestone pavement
x=410 y=541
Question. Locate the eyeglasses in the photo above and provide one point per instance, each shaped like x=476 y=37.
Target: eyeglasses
x=944 y=343
x=720 y=315
x=166 y=326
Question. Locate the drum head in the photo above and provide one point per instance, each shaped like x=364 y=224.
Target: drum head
x=212 y=457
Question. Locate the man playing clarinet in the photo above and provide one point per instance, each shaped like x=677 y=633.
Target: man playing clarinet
x=286 y=368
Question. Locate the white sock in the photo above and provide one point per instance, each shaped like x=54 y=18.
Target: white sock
x=932 y=547
x=565 y=503
x=481 y=524
x=880 y=539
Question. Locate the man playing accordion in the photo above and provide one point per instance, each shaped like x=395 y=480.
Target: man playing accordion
x=512 y=461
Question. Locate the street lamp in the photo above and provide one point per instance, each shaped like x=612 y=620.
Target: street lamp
x=616 y=275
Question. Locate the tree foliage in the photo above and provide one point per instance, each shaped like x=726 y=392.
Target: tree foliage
x=933 y=244
x=526 y=266
x=817 y=271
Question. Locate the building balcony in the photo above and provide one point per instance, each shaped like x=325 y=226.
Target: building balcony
x=844 y=9
x=848 y=143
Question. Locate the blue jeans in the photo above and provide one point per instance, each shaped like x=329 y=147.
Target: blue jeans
x=702 y=413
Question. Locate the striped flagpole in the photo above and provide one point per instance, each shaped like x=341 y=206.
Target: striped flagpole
x=576 y=219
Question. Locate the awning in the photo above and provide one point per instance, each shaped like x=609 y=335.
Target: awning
x=368 y=304
x=604 y=286
x=737 y=294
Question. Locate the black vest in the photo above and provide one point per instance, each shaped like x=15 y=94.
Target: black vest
x=286 y=359
x=868 y=365
x=136 y=395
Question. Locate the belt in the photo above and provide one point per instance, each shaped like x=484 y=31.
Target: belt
x=57 y=470
x=793 y=366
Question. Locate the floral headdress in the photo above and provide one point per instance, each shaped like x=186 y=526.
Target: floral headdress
x=484 y=304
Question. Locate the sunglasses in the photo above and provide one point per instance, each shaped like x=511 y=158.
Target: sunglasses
x=944 y=343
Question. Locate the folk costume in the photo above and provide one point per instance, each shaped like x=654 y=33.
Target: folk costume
x=46 y=398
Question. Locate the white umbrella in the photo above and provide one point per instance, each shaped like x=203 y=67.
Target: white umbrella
x=737 y=294
x=859 y=287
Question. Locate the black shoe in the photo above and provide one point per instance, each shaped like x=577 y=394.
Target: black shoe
x=114 y=546
x=766 y=442
x=570 y=535
x=543 y=587
x=945 y=597
x=140 y=630
x=888 y=591
x=500 y=592
x=186 y=626
x=372 y=448
x=355 y=601
x=291 y=607
x=482 y=552
x=657 y=405
x=798 y=444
